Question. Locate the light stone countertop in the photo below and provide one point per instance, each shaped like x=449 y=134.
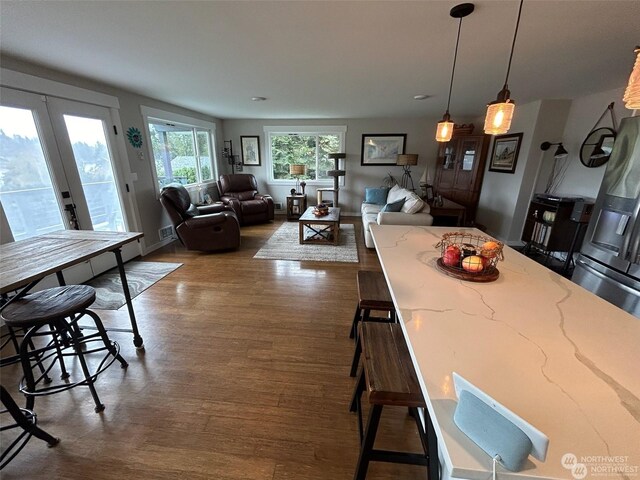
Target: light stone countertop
x=560 y=357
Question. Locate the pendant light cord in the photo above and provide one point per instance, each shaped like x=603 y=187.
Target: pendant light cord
x=515 y=35
x=453 y=70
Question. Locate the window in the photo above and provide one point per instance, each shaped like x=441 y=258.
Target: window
x=309 y=146
x=183 y=148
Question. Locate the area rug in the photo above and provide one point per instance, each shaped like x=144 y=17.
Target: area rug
x=140 y=276
x=284 y=245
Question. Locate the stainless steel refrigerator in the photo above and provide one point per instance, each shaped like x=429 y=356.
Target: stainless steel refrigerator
x=609 y=261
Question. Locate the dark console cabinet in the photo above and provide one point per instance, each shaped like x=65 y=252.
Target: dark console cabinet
x=554 y=224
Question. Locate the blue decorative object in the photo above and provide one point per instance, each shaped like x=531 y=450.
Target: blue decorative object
x=394 y=206
x=492 y=432
x=375 y=195
x=135 y=137
x=503 y=435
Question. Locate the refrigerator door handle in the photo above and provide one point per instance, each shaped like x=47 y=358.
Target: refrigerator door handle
x=632 y=253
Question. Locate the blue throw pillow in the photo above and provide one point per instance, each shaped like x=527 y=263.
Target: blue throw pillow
x=394 y=206
x=376 y=195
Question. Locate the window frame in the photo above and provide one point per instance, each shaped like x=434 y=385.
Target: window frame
x=154 y=115
x=340 y=130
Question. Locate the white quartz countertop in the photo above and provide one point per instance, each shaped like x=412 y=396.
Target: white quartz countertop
x=560 y=357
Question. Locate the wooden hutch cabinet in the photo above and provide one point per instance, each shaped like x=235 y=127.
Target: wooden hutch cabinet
x=460 y=169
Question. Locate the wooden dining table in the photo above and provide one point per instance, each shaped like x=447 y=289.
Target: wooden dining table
x=24 y=263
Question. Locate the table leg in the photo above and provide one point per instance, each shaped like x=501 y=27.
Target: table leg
x=137 y=339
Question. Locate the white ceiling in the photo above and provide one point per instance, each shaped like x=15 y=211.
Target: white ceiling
x=328 y=59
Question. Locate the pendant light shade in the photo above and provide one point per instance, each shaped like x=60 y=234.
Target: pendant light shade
x=500 y=112
x=632 y=93
x=445 y=127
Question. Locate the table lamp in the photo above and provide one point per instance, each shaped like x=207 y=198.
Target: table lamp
x=297 y=169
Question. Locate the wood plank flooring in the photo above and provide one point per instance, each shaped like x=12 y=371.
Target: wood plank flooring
x=245 y=376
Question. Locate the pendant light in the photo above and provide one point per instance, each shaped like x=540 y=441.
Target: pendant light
x=632 y=93
x=500 y=112
x=445 y=127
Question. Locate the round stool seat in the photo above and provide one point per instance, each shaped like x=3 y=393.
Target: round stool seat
x=41 y=307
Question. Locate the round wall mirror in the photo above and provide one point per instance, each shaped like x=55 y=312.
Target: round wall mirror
x=596 y=148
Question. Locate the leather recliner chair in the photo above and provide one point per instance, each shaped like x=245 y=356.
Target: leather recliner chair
x=240 y=192
x=206 y=228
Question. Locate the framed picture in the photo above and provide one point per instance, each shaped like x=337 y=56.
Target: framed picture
x=250 y=146
x=382 y=149
x=504 y=154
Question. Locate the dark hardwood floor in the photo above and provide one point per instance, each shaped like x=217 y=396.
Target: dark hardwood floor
x=245 y=376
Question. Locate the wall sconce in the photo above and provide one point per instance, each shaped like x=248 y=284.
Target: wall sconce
x=561 y=152
x=406 y=161
x=500 y=111
x=559 y=169
x=297 y=169
x=445 y=126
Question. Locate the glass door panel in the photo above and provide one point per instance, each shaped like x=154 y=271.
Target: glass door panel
x=88 y=151
x=26 y=188
x=95 y=169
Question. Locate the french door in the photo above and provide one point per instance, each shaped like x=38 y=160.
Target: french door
x=59 y=169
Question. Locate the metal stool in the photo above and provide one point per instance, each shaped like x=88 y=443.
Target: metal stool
x=24 y=419
x=50 y=318
x=389 y=378
x=373 y=294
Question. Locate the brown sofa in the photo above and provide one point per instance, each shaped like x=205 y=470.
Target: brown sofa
x=207 y=228
x=240 y=192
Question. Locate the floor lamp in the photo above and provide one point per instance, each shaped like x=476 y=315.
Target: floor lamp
x=406 y=161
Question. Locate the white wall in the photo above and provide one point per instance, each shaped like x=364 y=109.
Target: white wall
x=420 y=140
x=584 y=113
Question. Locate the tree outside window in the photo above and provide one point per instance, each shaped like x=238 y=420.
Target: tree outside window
x=306 y=148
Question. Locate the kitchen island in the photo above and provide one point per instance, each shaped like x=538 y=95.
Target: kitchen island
x=558 y=356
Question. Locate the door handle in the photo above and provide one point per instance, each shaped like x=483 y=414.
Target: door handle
x=70 y=208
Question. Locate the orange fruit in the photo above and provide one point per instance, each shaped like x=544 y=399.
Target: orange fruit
x=489 y=249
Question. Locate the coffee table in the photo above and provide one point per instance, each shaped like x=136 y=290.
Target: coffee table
x=322 y=230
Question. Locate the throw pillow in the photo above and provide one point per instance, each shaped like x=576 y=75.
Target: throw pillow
x=394 y=206
x=413 y=203
x=396 y=193
x=376 y=195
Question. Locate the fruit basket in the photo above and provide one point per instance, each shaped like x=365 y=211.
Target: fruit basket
x=320 y=210
x=469 y=257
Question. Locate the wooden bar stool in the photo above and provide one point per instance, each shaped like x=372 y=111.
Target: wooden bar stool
x=50 y=318
x=390 y=380
x=373 y=294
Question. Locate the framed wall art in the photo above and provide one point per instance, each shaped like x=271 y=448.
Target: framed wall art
x=504 y=154
x=250 y=146
x=382 y=149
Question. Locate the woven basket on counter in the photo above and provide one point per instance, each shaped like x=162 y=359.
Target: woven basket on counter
x=469 y=257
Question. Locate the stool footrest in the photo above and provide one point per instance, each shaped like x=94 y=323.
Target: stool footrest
x=398 y=457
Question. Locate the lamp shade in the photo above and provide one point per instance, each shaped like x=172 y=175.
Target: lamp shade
x=297 y=169
x=336 y=156
x=632 y=93
x=444 y=130
x=407 y=159
x=561 y=152
x=499 y=115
